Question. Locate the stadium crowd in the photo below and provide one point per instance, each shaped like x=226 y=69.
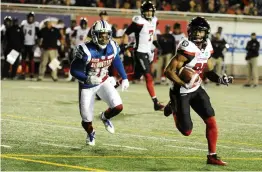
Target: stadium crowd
x=239 y=7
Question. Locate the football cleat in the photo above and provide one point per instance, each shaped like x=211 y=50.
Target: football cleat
x=90 y=139
x=158 y=106
x=108 y=124
x=168 y=109
x=215 y=160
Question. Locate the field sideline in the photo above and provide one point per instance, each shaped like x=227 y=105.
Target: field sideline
x=41 y=131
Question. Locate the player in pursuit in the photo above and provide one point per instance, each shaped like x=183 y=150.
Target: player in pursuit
x=90 y=67
x=144 y=27
x=194 y=53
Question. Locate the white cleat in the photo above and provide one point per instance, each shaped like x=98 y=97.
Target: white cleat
x=108 y=124
x=90 y=139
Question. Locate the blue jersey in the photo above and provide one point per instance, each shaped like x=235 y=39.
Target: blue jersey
x=95 y=62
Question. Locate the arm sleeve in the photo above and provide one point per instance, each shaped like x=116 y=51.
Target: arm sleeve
x=74 y=33
x=78 y=70
x=119 y=67
x=212 y=76
x=134 y=27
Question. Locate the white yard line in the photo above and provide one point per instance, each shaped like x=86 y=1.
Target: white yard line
x=129 y=147
x=250 y=150
x=52 y=88
x=58 y=145
x=188 y=148
x=131 y=135
x=5 y=146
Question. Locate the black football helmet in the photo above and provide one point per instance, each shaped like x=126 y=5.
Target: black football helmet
x=83 y=22
x=147 y=6
x=198 y=24
x=8 y=21
x=30 y=17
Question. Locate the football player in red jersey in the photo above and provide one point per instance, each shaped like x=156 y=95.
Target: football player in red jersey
x=195 y=53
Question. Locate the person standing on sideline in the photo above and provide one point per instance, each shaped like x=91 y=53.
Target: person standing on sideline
x=49 y=36
x=14 y=38
x=219 y=45
x=251 y=57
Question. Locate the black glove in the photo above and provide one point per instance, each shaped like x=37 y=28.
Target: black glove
x=79 y=52
x=225 y=80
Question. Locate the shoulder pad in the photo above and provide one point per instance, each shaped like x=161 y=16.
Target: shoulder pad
x=138 y=20
x=37 y=24
x=23 y=22
x=184 y=44
x=154 y=19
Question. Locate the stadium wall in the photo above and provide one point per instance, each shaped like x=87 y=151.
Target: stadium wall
x=236 y=29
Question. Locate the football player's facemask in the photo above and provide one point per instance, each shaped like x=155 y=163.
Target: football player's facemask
x=83 y=23
x=148 y=10
x=101 y=33
x=198 y=30
x=31 y=17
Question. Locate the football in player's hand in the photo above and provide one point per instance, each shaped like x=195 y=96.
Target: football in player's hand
x=186 y=74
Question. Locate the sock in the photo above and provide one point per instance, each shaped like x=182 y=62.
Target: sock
x=32 y=66
x=211 y=134
x=154 y=100
x=87 y=126
x=110 y=113
x=23 y=67
x=150 y=84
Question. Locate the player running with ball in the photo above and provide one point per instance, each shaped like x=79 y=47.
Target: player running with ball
x=194 y=53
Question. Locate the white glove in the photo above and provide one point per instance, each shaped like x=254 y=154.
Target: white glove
x=125 y=84
x=192 y=82
x=93 y=80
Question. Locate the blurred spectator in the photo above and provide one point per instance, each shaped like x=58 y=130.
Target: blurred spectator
x=252 y=61
x=100 y=3
x=138 y=4
x=192 y=5
x=177 y=33
x=165 y=6
x=14 y=38
x=120 y=32
x=219 y=46
x=126 y=5
x=49 y=36
x=168 y=45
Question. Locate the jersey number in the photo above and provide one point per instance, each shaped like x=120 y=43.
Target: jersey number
x=199 y=67
x=29 y=32
x=151 y=32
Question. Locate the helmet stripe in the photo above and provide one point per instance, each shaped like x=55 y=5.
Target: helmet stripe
x=103 y=23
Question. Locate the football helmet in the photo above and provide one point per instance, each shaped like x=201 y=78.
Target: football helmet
x=30 y=17
x=195 y=25
x=101 y=33
x=8 y=21
x=83 y=22
x=145 y=7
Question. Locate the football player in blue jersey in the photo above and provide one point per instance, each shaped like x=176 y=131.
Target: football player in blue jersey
x=90 y=67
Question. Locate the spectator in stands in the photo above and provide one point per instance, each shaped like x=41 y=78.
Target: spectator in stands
x=168 y=45
x=49 y=36
x=252 y=60
x=14 y=38
x=192 y=5
x=219 y=46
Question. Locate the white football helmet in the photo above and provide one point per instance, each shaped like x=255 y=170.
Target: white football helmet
x=101 y=33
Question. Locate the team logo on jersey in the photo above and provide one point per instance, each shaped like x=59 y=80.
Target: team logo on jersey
x=185 y=43
x=136 y=18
